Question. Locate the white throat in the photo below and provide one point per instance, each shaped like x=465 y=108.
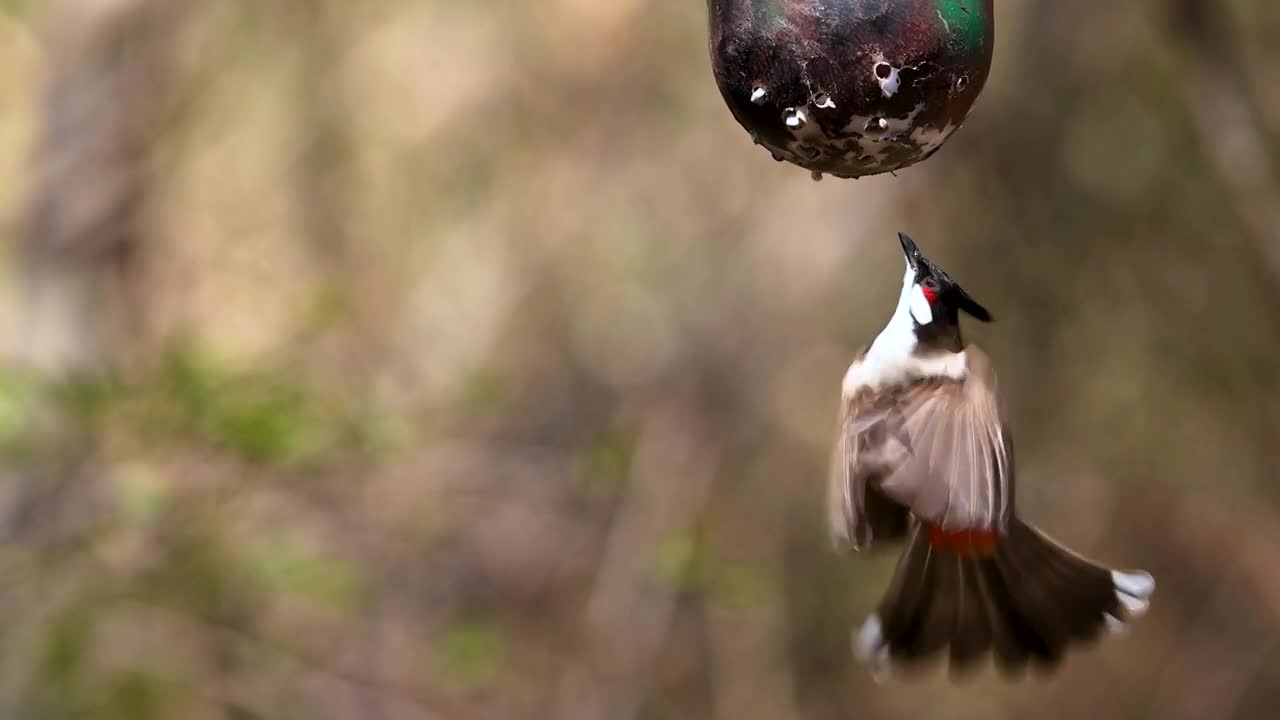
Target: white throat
x=891 y=359
x=898 y=338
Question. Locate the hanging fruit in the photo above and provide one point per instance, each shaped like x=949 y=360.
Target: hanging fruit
x=851 y=87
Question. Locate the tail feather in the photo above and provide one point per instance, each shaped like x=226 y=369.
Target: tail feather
x=1012 y=639
x=1025 y=601
x=937 y=611
x=971 y=636
x=1067 y=597
x=1033 y=640
x=913 y=584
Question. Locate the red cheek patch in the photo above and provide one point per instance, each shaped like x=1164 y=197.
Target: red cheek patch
x=929 y=294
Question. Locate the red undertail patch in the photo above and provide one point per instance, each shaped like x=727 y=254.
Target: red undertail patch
x=964 y=542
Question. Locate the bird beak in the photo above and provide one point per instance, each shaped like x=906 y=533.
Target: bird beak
x=911 y=251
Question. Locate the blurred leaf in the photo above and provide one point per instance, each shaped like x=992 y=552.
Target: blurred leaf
x=740 y=587
x=199 y=572
x=141 y=493
x=17 y=8
x=190 y=379
x=236 y=711
x=136 y=695
x=263 y=416
x=283 y=564
x=603 y=466
x=17 y=395
x=473 y=652
x=485 y=390
x=269 y=423
x=380 y=433
x=325 y=310
x=683 y=561
x=86 y=397
x=66 y=646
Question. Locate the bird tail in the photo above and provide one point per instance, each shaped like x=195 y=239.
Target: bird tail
x=1020 y=595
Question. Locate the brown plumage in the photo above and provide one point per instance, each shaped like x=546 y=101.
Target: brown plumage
x=934 y=445
x=923 y=453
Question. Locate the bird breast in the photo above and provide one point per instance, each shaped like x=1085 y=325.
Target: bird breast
x=875 y=371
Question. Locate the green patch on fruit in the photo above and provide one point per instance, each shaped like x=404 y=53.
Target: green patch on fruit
x=770 y=14
x=966 y=22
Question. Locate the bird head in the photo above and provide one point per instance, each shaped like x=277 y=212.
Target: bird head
x=931 y=294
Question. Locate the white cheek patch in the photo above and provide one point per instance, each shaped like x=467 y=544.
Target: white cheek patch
x=918 y=304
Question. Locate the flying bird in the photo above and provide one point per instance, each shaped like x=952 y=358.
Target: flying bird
x=924 y=456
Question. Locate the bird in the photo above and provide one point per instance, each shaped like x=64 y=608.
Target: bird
x=924 y=456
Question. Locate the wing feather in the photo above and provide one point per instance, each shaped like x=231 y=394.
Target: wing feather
x=937 y=448
x=857 y=510
x=951 y=459
x=847 y=485
x=839 y=491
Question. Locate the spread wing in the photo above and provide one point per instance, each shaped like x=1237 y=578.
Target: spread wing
x=937 y=447
x=853 y=464
x=952 y=458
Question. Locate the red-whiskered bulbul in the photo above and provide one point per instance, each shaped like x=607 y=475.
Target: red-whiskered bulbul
x=924 y=454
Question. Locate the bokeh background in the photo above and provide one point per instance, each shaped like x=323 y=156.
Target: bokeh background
x=465 y=360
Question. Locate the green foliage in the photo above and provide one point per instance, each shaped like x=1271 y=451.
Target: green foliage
x=200 y=573
x=85 y=397
x=472 y=652
x=236 y=711
x=269 y=422
x=485 y=390
x=282 y=563
x=691 y=564
x=141 y=494
x=67 y=641
x=191 y=379
x=265 y=417
x=326 y=310
x=376 y=433
x=16 y=8
x=603 y=465
x=72 y=687
x=685 y=562
x=136 y=695
x=741 y=587
x=17 y=400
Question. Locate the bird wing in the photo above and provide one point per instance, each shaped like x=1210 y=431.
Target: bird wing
x=937 y=447
x=950 y=452
x=853 y=463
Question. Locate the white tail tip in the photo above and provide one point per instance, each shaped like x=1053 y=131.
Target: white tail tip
x=868 y=640
x=1133 y=591
x=1136 y=584
x=870 y=647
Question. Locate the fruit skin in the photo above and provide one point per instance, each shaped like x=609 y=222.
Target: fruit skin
x=851 y=87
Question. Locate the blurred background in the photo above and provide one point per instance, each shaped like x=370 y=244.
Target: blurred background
x=465 y=360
